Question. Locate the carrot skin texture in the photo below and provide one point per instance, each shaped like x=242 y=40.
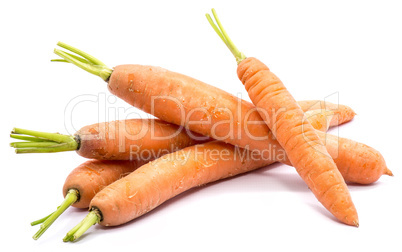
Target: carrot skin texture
x=304 y=148
x=133 y=139
x=93 y=175
x=162 y=179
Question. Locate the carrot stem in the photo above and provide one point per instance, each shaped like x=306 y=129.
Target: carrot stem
x=37 y=222
x=76 y=232
x=32 y=144
x=85 y=55
x=77 y=58
x=71 y=198
x=59 y=60
x=28 y=138
x=42 y=142
x=225 y=37
x=83 y=60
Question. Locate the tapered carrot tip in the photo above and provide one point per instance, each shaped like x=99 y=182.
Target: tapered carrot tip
x=351 y=221
x=354 y=222
x=388 y=172
x=352 y=111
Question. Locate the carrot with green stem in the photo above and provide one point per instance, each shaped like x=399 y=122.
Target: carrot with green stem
x=115 y=140
x=127 y=139
x=118 y=140
x=285 y=118
x=160 y=180
x=84 y=182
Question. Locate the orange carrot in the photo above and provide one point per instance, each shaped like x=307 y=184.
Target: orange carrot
x=93 y=175
x=143 y=139
x=286 y=119
x=134 y=138
x=161 y=179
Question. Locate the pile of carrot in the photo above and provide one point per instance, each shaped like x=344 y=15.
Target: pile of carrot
x=203 y=134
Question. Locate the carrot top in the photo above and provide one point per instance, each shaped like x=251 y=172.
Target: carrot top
x=42 y=142
x=76 y=232
x=83 y=60
x=71 y=197
x=224 y=36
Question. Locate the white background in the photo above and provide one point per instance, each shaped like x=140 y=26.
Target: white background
x=345 y=49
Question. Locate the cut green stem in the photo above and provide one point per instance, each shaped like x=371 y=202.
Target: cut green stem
x=76 y=232
x=37 y=222
x=32 y=144
x=83 y=60
x=42 y=142
x=28 y=138
x=224 y=36
x=71 y=197
x=85 y=55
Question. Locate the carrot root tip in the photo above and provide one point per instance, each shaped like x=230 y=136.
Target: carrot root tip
x=388 y=172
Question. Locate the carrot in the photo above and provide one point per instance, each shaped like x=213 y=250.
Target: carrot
x=123 y=139
x=183 y=101
x=132 y=138
x=117 y=140
x=161 y=179
x=84 y=182
x=296 y=135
